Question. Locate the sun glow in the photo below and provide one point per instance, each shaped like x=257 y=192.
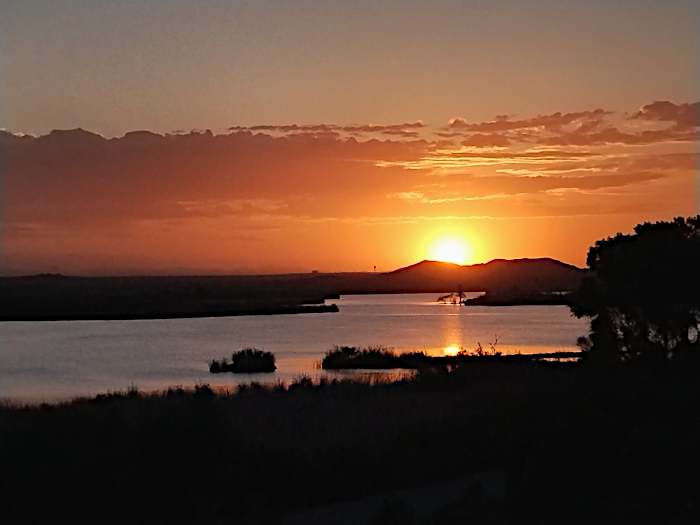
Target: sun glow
x=451 y=248
x=452 y=350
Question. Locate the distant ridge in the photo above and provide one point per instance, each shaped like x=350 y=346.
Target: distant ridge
x=499 y=275
x=427 y=266
x=452 y=266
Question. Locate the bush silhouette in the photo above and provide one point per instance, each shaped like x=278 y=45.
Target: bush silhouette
x=370 y=358
x=248 y=360
x=644 y=294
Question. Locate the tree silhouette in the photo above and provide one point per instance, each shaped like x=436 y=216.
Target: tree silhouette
x=643 y=296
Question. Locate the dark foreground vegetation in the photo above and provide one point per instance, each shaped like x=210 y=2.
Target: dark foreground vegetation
x=246 y=361
x=643 y=294
x=382 y=358
x=573 y=444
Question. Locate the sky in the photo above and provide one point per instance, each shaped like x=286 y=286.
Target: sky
x=224 y=136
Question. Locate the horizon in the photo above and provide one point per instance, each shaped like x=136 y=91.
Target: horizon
x=193 y=273
x=266 y=138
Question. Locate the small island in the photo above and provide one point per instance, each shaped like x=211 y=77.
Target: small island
x=516 y=298
x=246 y=361
x=513 y=297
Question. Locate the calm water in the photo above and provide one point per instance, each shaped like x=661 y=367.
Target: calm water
x=57 y=360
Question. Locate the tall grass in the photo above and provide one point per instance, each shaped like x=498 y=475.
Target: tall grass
x=575 y=444
x=371 y=358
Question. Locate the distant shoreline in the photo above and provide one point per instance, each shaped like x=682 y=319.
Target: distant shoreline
x=64 y=298
x=533 y=299
x=286 y=310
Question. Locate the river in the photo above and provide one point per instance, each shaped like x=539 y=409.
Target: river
x=49 y=361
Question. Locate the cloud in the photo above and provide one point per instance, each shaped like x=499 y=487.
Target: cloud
x=80 y=190
x=314 y=128
x=406 y=129
x=684 y=116
x=491 y=140
x=552 y=122
x=372 y=128
x=583 y=128
x=612 y=135
x=80 y=178
x=400 y=133
x=471 y=188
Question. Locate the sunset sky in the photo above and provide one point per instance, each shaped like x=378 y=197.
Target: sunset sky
x=223 y=136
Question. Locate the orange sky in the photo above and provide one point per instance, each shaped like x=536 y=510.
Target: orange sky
x=530 y=133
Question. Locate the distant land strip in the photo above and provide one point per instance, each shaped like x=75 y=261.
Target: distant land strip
x=297 y=309
x=51 y=297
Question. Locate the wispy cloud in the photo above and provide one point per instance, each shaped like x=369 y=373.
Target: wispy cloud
x=553 y=122
x=406 y=129
x=679 y=123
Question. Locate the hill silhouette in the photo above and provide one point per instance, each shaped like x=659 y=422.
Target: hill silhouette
x=59 y=297
x=498 y=276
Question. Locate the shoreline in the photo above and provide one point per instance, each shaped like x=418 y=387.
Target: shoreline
x=284 y=310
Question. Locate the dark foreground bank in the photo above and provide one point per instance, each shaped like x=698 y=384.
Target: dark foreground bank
x=570 y=444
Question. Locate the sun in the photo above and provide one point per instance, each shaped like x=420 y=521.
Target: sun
x=451 y=252
x=451 y=248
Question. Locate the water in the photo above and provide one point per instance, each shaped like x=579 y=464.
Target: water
x=59 y=360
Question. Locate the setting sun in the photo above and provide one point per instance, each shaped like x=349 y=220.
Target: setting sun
x=451 y=248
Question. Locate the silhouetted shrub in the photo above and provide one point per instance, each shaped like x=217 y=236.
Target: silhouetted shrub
x=203 y=389
x=371 y=358
x=303 y=381
x=644 y=295
x=248 y=360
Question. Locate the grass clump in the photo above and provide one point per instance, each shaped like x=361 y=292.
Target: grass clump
x=246 y=361
x=370 y=358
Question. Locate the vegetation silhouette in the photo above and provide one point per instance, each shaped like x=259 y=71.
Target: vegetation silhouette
x=643 y=296
x=382 y=358
x=246 y=361
x=574 y=444
x=370 y=358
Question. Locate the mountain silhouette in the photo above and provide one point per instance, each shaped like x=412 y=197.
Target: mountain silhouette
x=497 y=276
